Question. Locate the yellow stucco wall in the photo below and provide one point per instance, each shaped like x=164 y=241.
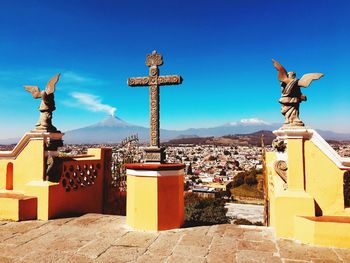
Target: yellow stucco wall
x=142 y=202
x=31 y=194
x=29 y=165
x=314 y=183
x=324 y=180
x=322 y=233
x=284 y=204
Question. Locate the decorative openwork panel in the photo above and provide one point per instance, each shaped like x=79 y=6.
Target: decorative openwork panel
x=347 y=189
x=80 y=175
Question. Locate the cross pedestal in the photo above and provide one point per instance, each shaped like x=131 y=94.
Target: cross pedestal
x=155 y=195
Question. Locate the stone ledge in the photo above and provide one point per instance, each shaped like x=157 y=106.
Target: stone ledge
x=155 y=166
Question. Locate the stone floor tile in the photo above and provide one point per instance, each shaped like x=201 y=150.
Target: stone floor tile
x=252 y=228
x=296 y=261
x=84 y=221
x=165 y=243
x=325 y=261
x=30 y=235
x=111 y=234
x=217 y=230
x=234 y=231
x=253 y=235
x=75 y=231
x=60 y=221
x=266 y=245
x=66 y=245
x=257 y=256
x=150 y=257
x=221 y=256
x=120 y=254
x=194 y=240
x=322 y=253
x=184 y=259
x=343 y=254
x=269 y=234
x=41 y=242
x=137 y=239
x=22 y=227
x=223 y=245
x=40 y=255
x=78 y=258
x=106 y=238
x=95 y=248
x=291 y=250
x=198 y=230
x=6 y=260
x=190 y=250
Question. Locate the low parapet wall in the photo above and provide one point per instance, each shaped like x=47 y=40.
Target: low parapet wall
x=77 y=186
x=314 y=188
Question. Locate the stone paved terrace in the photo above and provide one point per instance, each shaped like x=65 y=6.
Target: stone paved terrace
x=105 y=238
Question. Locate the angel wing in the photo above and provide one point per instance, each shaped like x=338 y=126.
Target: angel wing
x=34 y=90
x=306 y=80
x=282 y=73
x=50 y=87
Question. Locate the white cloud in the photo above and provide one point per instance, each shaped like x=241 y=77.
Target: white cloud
x=251 y=121
x=92 y=103
x=73 y=77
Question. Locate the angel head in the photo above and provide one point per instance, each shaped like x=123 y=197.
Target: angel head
x=291 y=74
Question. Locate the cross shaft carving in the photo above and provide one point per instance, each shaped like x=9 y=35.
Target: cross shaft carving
x=154 y=81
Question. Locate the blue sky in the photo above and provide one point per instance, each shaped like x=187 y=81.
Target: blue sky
x=222 y=49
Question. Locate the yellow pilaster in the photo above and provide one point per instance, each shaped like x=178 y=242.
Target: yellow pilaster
x=155 y=196
x=142 y=205
x=295 y=152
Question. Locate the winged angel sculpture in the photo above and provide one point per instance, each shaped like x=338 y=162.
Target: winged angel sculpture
x=47 y=105
x=291 y=94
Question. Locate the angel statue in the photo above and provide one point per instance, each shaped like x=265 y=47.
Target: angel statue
x=47 y=105
x=291 y=93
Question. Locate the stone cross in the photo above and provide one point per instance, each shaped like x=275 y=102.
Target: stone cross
x=154 y=153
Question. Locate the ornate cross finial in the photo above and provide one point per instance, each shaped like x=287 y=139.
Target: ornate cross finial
x=155 y=59
x=154 y=153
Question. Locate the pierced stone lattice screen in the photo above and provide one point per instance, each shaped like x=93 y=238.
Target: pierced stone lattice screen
x=347 y=189
x=80 y=175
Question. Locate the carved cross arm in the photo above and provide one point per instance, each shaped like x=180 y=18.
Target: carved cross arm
x=139 y=81
x=169 y=80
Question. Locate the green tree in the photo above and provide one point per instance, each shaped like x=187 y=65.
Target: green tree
x=212 y=158
x=189 y=169
x=204 y=211
x=238 y=179
x=223 y=172
x=250 y=180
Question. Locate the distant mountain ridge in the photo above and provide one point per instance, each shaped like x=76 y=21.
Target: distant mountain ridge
x=114 y=130
x=237 y=139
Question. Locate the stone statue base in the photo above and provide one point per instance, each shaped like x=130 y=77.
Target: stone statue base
x=155 y=155
x=293 y=125
x=53 y=140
